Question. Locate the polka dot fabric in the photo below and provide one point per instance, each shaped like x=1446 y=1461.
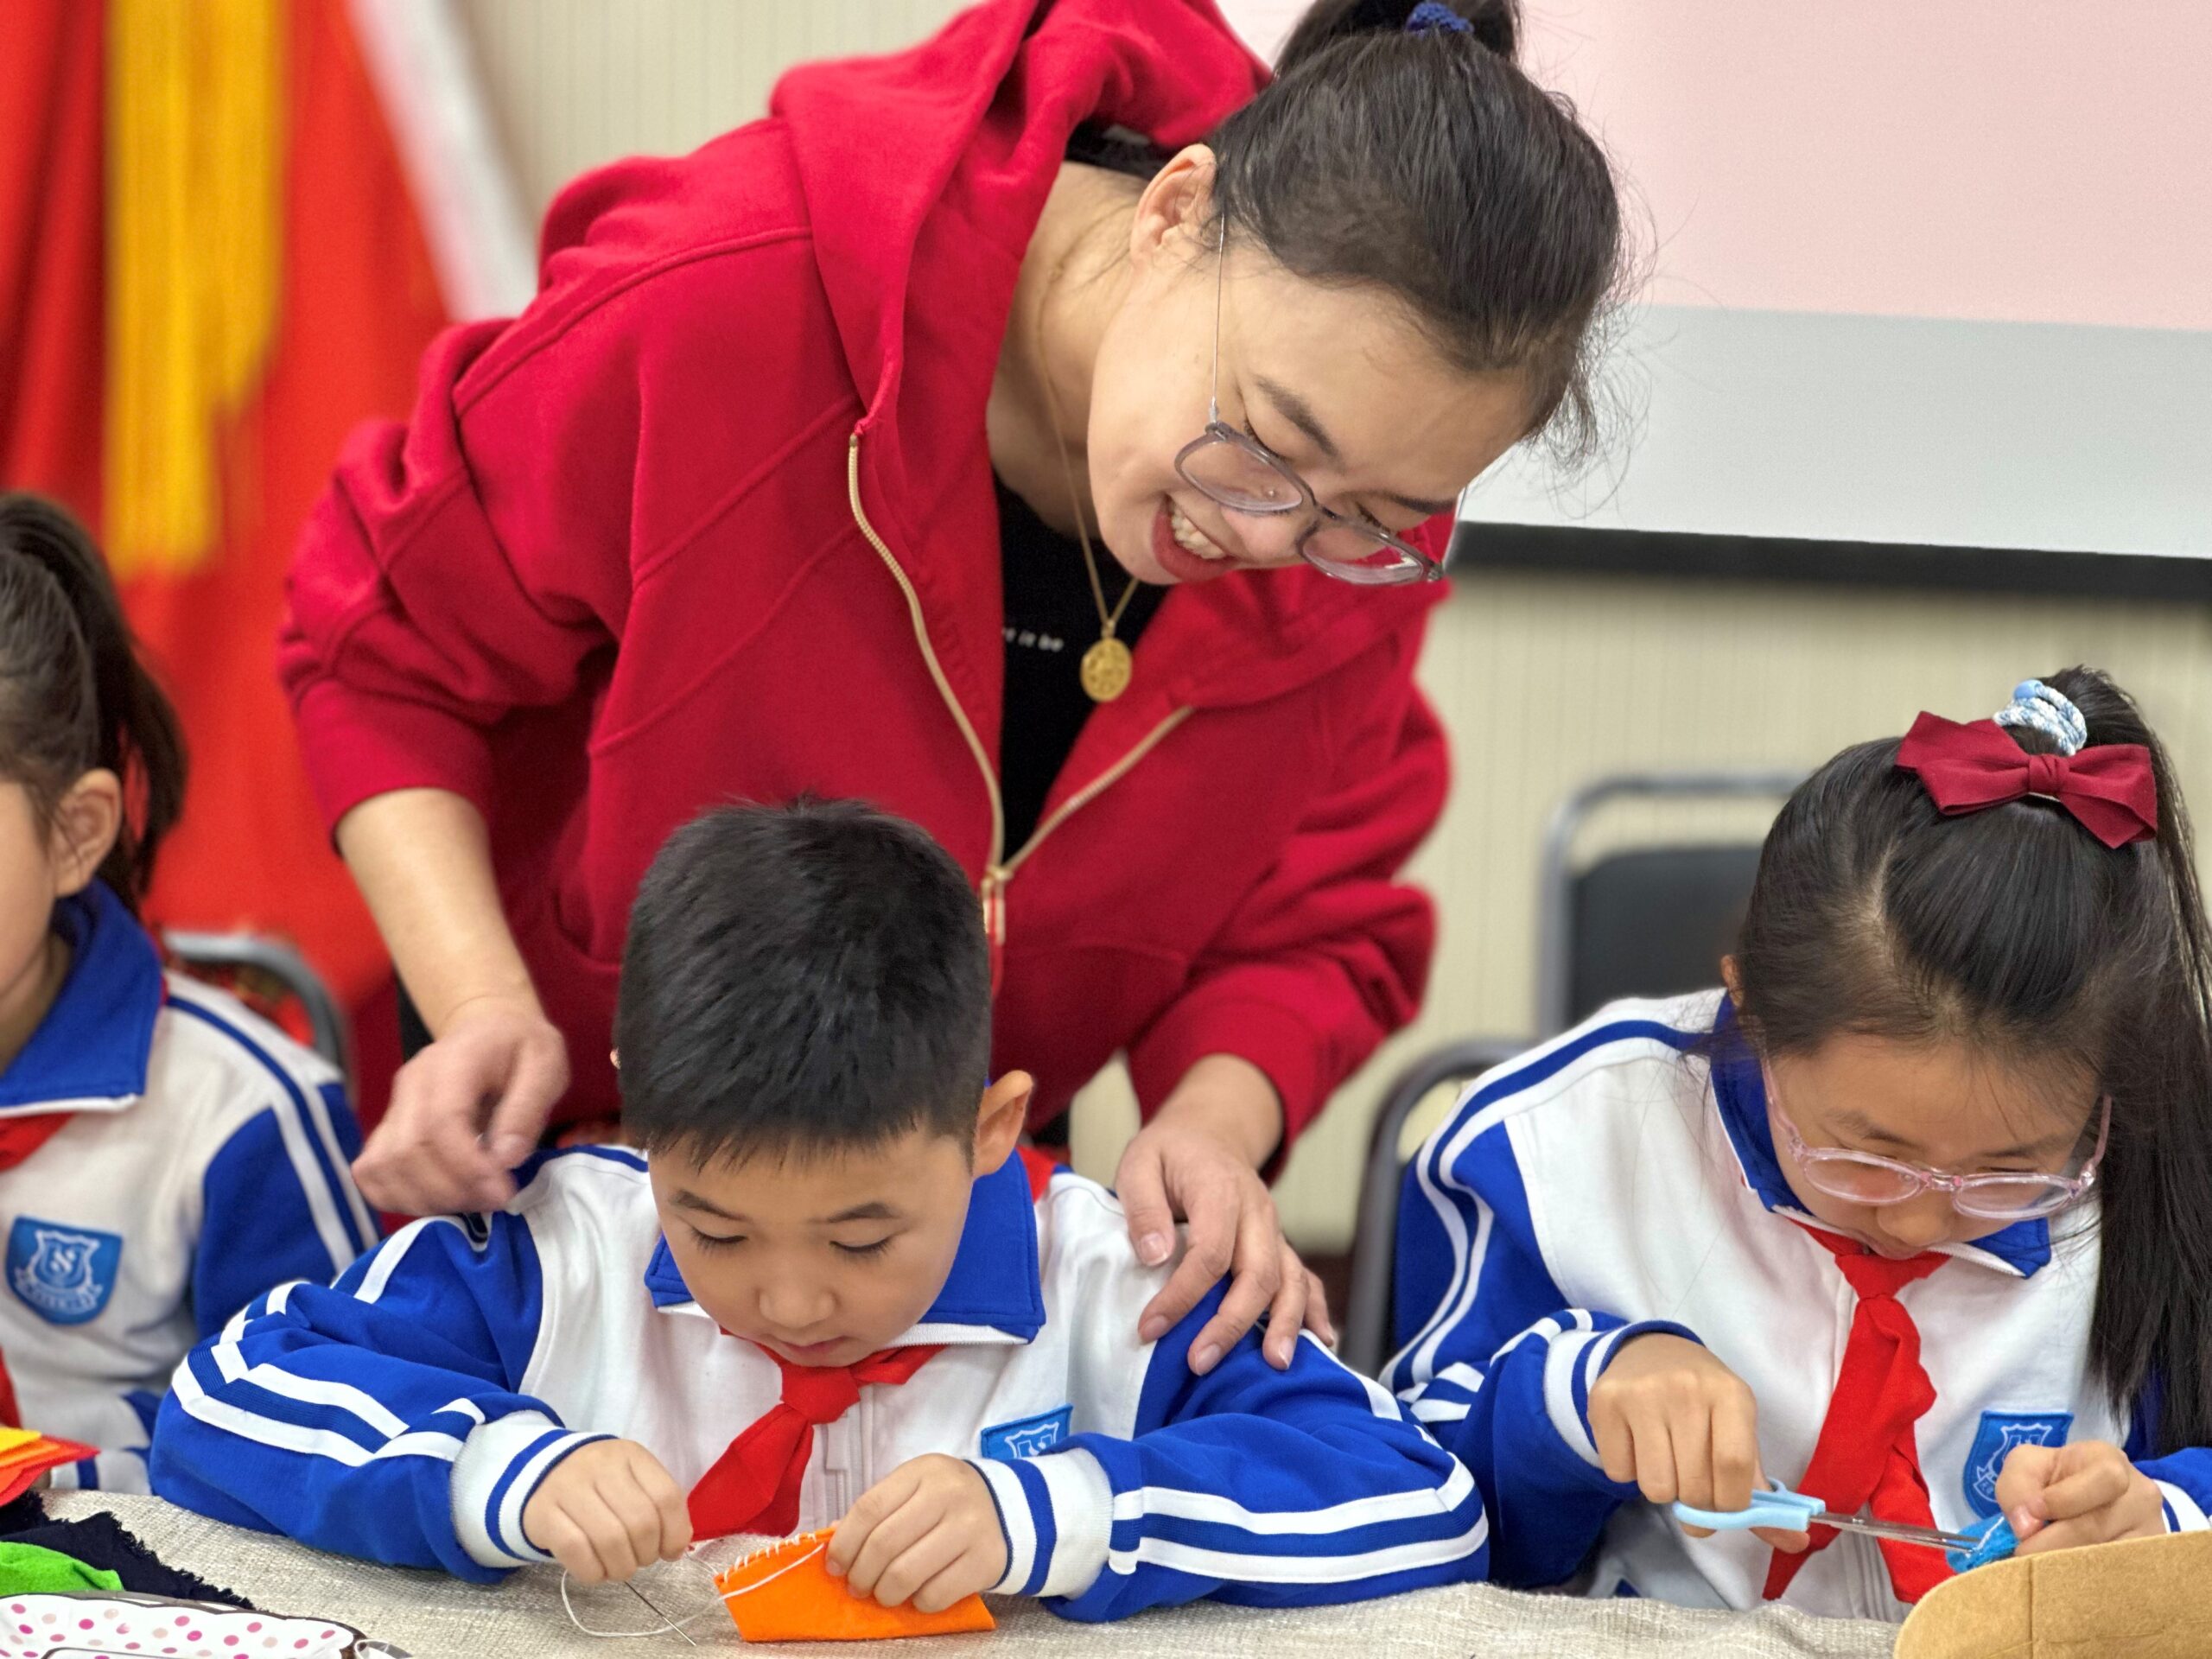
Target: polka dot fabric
x=124 y=1627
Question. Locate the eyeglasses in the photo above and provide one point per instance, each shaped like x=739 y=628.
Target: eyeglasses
x=1989 y=1195
x=1233 y=469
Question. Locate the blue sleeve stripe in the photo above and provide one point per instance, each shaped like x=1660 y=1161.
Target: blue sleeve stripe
x=496 y=1501
x=1565 y=1403
x=1379 y=1509
x=1489 y=1103
x=2184 y=1513
x=1017 y=1524
x=518 y=1482
x=1295 y=1569
x=1040 y=1512
x=335 y=1436
x=1006 y=1534
x=366 y=1279
x=339 y=1214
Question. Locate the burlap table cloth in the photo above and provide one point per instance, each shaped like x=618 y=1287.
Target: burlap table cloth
x=434 y=1617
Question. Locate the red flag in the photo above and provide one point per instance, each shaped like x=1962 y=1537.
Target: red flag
x=389 y=214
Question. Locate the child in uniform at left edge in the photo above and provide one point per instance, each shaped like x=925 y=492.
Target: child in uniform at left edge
x=165 y=1156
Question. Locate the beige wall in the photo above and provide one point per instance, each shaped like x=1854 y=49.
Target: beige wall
x=1547 y=682
x=578 y=82
x=1544 y=681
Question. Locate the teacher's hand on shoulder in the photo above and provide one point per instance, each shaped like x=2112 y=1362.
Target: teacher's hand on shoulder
x=1200 y=1159
x=466 y=1110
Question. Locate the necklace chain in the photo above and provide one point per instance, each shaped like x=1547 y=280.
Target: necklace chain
x=1106 y=666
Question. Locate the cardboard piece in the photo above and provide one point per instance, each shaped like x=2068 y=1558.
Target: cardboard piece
x=2140 y=1598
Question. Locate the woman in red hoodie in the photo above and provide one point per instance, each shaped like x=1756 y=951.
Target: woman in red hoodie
x=850 y=455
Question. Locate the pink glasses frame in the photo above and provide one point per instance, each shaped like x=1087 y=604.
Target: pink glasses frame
x=2068 y=1189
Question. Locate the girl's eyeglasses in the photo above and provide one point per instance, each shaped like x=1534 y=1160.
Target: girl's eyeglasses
x=1235 y=470
x=1988 y=1195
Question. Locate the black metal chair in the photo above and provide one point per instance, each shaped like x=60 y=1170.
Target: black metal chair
x=1647 y=921
x=264 y=973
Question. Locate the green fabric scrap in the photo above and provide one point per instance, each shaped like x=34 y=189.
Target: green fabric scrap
x=27 y=1570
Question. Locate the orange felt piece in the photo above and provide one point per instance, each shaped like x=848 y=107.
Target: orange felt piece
x=786 y=1594
x=20 y=1468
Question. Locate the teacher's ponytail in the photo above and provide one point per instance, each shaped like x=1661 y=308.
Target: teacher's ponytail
x=1400 y=146
x=1495 y=24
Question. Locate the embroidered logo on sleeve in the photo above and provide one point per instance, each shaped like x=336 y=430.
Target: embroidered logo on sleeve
x=1027 y=1437
x=64 y=1275
x=2002 y=1434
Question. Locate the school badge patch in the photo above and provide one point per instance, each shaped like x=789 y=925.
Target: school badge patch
x=64 y=1275
x=1027 y=1437
x=2002 y=1434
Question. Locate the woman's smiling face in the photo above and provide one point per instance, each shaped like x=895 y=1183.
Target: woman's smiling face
x=1337 y=381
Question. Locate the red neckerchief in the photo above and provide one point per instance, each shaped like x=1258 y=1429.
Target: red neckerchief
x=21 y=1136
x=1867 y=1453
x=753 y=1486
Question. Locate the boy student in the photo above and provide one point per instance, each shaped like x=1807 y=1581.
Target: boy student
x=832 y=1291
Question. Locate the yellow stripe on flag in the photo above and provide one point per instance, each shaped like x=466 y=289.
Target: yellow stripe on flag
x=195 y=167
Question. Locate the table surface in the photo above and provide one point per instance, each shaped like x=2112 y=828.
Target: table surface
x=434 y=1617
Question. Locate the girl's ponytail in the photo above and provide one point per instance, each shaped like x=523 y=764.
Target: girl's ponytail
x=2154 y=1325
x=73 y=694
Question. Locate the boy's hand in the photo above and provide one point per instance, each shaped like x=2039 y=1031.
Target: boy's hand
x=2058 y=1497
x=926 y=1532
x=605 y=1510
x=1684 y=1428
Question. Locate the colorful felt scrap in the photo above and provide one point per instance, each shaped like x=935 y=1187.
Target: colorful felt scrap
x=26 y=1454
x=28 y=1568
x=785 y=1593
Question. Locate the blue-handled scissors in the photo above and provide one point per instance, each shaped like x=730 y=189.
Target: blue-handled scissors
x=1788 y=1511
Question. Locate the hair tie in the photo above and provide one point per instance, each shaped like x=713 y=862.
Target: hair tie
x=2052 y=713
x=1431 y=15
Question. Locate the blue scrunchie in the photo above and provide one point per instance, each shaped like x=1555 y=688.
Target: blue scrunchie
x=1429 y=15
x=2052 y=713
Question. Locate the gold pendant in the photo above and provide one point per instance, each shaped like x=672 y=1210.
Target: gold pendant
x=1106 y=670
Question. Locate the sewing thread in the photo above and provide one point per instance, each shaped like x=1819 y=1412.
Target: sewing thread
x=723 y=1597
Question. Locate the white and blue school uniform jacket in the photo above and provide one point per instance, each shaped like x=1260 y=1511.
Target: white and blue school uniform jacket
x=409 y=1414
x=205 y=1159
x=1615 y=1182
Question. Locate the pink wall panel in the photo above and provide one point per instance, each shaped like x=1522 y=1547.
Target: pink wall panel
x=2008 y=160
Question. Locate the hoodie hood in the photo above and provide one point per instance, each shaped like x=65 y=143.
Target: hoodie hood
x=919 y=258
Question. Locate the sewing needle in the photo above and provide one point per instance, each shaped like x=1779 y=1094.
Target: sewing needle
x=666 y=1622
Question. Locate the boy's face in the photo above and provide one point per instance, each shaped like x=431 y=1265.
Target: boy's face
x=827 y=1258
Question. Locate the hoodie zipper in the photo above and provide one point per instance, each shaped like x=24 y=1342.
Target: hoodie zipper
x=1000 y=870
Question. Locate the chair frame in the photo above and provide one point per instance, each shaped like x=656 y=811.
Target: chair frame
x=1366 y=1334
x=327 y=1028
x=1556 y=873
x=1365 y=1341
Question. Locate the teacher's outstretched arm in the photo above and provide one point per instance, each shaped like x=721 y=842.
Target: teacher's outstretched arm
x=470 y=1107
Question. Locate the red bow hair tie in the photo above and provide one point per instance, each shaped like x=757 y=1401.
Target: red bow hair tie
x=2110 y=789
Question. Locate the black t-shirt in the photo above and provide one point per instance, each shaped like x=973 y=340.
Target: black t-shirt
x=1051 y=620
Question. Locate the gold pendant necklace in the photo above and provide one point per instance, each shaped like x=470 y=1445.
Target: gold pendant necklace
x=1107 y=667
x=1109 y=664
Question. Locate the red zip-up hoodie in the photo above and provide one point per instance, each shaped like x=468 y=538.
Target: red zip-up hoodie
x=713 y=520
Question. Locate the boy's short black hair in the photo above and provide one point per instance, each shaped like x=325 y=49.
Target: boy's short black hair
x=799 y=979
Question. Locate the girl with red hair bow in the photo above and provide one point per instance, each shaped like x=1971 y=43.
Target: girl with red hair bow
x=1911 y=1217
